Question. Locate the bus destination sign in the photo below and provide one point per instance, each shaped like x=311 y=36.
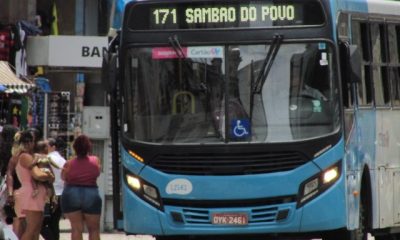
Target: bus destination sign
x=217 y=15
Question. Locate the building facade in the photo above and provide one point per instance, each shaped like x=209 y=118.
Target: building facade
x=64 y=45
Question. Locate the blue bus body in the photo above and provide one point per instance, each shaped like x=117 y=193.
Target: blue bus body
x=327 y=211
x=366 y=155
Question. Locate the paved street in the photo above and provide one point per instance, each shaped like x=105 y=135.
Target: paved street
x=113 y=236
x=66 y=235
x=110 y=236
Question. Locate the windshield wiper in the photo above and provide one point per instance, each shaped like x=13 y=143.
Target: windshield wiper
x=176 y=45
x=266 y=67
x=257 y=86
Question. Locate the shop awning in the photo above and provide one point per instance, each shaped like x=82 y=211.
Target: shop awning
x=10 y=81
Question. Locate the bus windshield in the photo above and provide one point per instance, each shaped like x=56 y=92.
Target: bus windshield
x=221 y=94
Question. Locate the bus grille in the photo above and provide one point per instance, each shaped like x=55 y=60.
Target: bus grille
x=228 y=164
x=259 y=211
x=203 y=216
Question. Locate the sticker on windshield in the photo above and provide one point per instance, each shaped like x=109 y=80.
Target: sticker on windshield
x=321 y=46
x=324 y=59
x=166 y=53
x=317 y=108
x=240 y=128
x=205 y=52
x=188 y=52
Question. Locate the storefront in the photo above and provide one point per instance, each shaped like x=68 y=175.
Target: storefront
x=16 y=98
x=72 y=65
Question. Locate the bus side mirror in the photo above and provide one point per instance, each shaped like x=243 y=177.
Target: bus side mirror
x=355 y=59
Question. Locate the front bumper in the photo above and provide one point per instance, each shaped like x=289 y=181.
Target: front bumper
x=326 y=212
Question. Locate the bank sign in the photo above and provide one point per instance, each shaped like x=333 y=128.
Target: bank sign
x=67 y=51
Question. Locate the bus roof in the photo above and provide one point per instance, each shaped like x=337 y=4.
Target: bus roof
x=390 y=7
x=371 y=6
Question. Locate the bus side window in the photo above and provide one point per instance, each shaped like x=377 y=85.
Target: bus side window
x=394 y=56
x=361 y=37
x=380 y=64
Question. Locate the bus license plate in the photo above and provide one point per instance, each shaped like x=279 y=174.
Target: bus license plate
x=230 y=219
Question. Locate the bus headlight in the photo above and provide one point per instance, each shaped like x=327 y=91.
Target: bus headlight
x=133 y=182
x=150 y=191
x=143 y=189
x=330 y=175
x=318 y=183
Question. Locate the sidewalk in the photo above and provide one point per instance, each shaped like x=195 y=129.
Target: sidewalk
x=66 y=234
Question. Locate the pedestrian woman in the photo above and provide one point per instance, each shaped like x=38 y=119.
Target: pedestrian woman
x=13 y=184
x=26 y=203
x=80 y=200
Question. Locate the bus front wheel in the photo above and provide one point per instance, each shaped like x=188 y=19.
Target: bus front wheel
x=361 y=233
x=358 y=234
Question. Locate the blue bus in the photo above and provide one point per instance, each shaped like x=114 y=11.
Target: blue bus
x=256 y=118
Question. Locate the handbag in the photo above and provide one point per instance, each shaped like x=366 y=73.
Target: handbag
x=48 y=209
x=50 y=206
x=9 y=213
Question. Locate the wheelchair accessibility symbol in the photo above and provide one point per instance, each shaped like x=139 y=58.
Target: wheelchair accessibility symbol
x=240 y=128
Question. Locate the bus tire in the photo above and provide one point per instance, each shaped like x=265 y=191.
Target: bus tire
x=361 y=233
x=358 y=234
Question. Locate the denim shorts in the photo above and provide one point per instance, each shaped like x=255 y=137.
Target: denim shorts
x=81 y=198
